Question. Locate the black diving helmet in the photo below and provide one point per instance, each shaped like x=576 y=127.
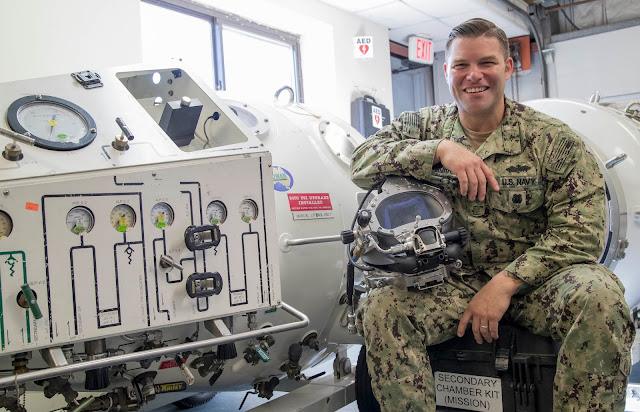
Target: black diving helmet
x=406 y=235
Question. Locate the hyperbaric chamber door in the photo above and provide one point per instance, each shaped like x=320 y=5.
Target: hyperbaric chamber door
x=614 y=140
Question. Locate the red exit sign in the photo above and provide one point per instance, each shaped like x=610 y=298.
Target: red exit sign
x=420 y=50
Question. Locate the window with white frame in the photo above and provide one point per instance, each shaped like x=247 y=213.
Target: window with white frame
x=168 y=34
x=241 y=57
x=255 y=65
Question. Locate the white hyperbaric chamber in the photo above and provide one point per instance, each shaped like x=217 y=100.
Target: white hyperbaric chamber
x=133 y=278
x=613 y=136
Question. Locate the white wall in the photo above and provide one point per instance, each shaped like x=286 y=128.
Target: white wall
x=39 y=39
x=606 y=62
x=44 y=37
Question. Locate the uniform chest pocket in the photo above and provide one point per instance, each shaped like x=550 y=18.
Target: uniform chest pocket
x=517 y=199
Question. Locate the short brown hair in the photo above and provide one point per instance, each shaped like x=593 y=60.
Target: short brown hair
x=476 y=28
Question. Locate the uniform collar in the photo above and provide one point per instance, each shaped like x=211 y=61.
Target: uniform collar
x=505 y=139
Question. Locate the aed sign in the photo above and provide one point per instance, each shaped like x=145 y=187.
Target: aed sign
x=420 y=50
x=363 y=47
x=468 y=392
x=376 y=117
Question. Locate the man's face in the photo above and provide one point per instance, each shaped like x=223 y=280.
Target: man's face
x=476 y=72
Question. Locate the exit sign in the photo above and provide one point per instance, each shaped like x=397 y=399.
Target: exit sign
x=420 y=50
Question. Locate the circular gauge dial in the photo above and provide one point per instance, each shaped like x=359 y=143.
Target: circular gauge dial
x=54 y=123
x=80 y=220
x=216 y=212
x=6 y=225
x=162 y=215
x=248 y=210
x=122 y=217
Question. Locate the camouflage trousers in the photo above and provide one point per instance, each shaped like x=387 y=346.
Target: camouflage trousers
x=581 y=305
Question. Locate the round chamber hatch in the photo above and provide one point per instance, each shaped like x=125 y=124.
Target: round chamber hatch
x=251 y=117
x=339 y=140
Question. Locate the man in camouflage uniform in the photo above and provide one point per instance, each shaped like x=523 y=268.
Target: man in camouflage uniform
x=534 y=237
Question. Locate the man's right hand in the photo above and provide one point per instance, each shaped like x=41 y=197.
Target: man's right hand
x=473 y=174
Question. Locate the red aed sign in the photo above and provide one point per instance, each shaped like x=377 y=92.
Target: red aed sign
x=300 y=202
x=420 y=50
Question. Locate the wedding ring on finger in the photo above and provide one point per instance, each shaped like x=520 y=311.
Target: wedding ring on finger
x=484 y=326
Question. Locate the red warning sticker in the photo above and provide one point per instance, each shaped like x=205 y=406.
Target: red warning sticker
x=299 y=202
x=170 y=364
x=31 y=206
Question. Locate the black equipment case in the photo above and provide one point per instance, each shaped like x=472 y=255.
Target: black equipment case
x=525 y=364
x=363 y=115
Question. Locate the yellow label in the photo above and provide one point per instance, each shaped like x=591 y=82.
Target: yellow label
x=170 y=387
x=53 y=123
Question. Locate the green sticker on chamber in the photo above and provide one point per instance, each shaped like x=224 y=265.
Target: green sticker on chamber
x=246 y=219
x=161 y=224
x=62 y=136
x=270 y=310
x=214 y=221
x=263 y=355
x=122 y=228
x=78 y=229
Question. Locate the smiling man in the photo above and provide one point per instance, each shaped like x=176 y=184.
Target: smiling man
x=532 y=199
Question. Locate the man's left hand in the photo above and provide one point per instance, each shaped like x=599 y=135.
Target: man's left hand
x=488 y=306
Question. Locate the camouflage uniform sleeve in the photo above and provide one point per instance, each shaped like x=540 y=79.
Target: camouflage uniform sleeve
x=576 y=210
x=403 y=148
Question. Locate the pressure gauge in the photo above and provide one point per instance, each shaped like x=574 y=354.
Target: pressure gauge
x=6 y=225
x=162 y=215
x=248 y=210
x=122 y=217
x=216 y=212
x=80 y=220
x=54 y=123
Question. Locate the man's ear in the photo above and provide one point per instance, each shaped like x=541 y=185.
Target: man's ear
x=446 y=75
x=509 y=67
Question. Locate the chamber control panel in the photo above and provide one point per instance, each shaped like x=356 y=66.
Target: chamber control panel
x=151 y=246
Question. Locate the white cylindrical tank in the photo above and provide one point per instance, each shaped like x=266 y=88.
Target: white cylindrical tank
x=311 y=156
x=614 y=138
